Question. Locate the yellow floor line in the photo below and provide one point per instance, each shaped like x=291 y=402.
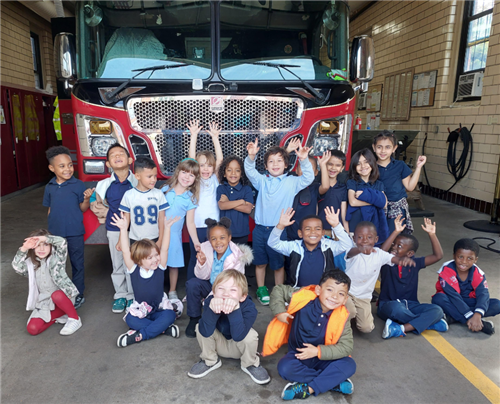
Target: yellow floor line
x=464 y=366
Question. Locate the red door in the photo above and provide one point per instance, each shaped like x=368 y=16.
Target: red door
x=7 y=150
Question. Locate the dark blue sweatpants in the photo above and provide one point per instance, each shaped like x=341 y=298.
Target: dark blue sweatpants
x=152 y=325
x=76 y=248
x=320 y=375
x=202 y=237
x=419 y=315
x=196 y=290
x=442 y=300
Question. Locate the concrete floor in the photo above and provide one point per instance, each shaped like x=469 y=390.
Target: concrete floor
x=88 y=367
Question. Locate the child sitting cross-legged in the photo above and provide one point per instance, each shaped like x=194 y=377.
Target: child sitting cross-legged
x=398 y=303
x=363 y=266
x=319 y=336
x=462 y=290
x=225 y=328
x=312 y=253
x=217 y=254
x=151 y=314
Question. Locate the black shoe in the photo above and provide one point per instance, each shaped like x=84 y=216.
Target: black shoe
x=79 y=301
x=449 y=319
x=488 y=327
x=191 y=328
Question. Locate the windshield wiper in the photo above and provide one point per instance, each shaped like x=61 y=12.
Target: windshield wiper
x=111 y=97
x=319 y=97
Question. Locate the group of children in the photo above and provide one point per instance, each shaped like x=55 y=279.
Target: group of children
x=339 y=237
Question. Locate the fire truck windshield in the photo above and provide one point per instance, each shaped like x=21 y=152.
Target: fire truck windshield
x=116 y=37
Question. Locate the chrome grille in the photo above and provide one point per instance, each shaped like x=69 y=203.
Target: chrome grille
x=244 y=118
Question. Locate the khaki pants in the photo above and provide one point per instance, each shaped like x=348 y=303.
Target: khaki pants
x=361 y=309
x=217 y=345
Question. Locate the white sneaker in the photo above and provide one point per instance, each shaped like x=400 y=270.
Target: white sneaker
x=62 y=320
x=71 y=326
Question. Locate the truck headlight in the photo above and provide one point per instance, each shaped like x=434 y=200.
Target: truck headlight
x=97 y=134
x=330 y=134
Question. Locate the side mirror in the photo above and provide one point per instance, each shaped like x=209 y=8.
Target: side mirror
x=64 y=58
x=362 y=63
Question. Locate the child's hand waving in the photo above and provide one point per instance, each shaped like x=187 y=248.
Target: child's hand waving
x=428 y=226
x=194 y=127
x=324 y=158
x=293 y=145
x=398 y=224
x=171 y=220
x=332 y=217
x=286 y=218
x=303 y=152
x=421 y=161
x=119 y=221
x=214 y=129
x=253 y=148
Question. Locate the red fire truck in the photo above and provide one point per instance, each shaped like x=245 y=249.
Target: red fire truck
x=135 y=72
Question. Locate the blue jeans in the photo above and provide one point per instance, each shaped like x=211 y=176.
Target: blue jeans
x=419 y=315
x=196 y=289
x=449 y=308
x=321 y=375
x=76 y=248
x=152 y=325
x=202 y=237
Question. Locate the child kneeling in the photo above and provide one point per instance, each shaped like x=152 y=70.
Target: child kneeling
x=319 y=336
x=151 y=313
x=225 y=328
x=217 y=254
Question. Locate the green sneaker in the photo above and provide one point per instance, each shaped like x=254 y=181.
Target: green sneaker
x=119 y=305
x=129 y=302
x=263 y=295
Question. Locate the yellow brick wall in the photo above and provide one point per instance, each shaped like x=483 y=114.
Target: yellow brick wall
x=425 y=35
x=16 y=22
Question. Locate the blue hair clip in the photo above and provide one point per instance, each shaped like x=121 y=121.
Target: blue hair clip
x=189 y=158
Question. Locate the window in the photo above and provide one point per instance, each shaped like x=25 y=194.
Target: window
x=37 y=61
x=475 y=36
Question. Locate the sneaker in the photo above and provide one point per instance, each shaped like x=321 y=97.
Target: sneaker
x=449 y=319
x=129 y=302
x=263 y=295
x=173 y=331
x=71 y=326
x=393 y=329
x=62 y=320
x=200 y=369
x=258 y=374
x=346 y=387
x=79 y=301
x=172 y=295
x=128 y=338
x=295 y=390
x=191 y=328
x=119 y=305
x=440 y=326
x=488 y=327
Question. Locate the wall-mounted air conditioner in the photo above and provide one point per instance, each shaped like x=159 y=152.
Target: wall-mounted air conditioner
x=470 y=85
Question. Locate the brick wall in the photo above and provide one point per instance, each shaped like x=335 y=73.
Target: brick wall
x=425 y=35
x=16 y=59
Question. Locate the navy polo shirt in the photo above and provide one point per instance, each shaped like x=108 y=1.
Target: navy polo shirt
x=239 y=220
x=66 y=217
x=360 y=185
x=333 y=198
x=400 y=283
x=311 y=267
x=305 y=203
x=114 y=195
x=392 y=176
x=308 y=326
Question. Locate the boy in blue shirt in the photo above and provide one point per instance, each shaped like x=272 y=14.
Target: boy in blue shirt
x=67 y=199
x=276 y=192
x=333 y=191
x=398 y=302
x=462 y=290
x=320 y=342
x=312 y=253
x=110 y=192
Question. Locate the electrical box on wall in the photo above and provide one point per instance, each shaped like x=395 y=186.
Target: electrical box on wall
x=470 y=85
